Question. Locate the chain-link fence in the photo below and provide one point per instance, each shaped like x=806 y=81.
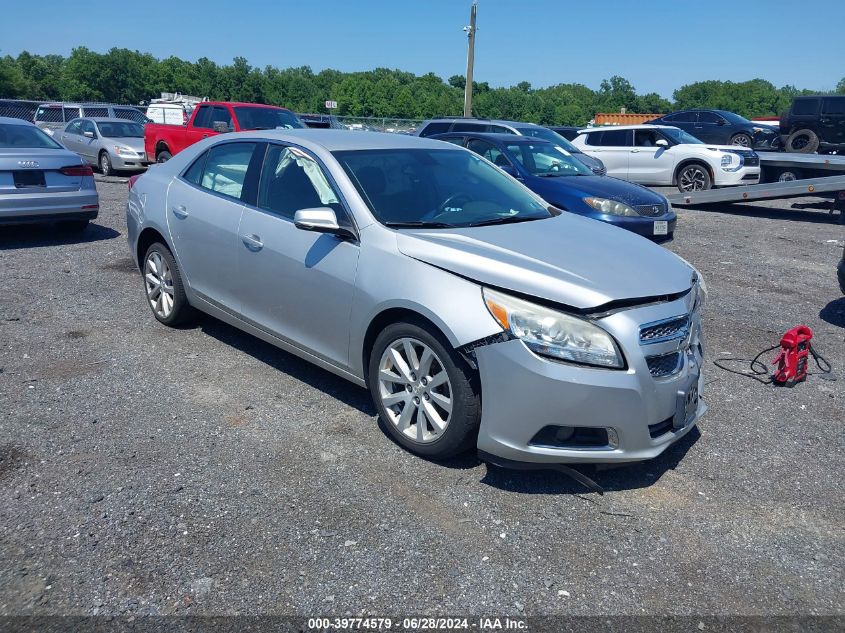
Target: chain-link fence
x=52 y=115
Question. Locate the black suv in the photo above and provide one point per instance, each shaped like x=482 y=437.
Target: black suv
x=815 y=123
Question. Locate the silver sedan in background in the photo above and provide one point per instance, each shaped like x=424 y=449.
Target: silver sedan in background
x=476 y=314
x=41 y=181
x=110 y=144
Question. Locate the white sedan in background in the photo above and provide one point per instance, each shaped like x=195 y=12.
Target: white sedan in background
x=664 y=155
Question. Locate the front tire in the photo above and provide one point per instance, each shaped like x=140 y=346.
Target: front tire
x=105 y=164
x=426 y=394
x=803 y=142
x=163 y=286
x=163 y=156
x=694 y=177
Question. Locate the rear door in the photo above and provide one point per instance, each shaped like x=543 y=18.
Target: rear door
x=71 y=137
x=613 y=147
x=685 y=120
x=712 y=128
x=204 y=207
x=832 y=120
x=297 y=284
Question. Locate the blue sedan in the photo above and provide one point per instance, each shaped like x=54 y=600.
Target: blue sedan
x=556 y=176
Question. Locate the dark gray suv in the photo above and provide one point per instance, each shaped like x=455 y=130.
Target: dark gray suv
x=500 y=126
x=814 y=123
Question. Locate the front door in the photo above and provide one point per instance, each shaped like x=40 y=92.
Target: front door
x=297 y=284
x=649 y=162
x=203 y=214
x=88 y=146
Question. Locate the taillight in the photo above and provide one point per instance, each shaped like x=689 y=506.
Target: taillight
x=77 y=170
x=131 y=182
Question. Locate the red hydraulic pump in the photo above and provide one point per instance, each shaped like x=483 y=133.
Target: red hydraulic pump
x=792 y=360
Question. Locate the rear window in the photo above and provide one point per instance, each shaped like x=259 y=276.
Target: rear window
x=435 y=128
x=25 y=136
x=805 y=106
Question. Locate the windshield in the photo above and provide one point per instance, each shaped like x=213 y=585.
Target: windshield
x=120 y=130
x=679 y=136
x=27 y=136
x=545 y=159
x=548 y=135
x=251 y=118
x=437 y=188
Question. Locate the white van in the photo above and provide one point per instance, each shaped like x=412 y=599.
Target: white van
x=170 y=113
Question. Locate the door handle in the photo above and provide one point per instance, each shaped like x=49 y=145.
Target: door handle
x=252 y=242
x=635 y=151
x=180 y=211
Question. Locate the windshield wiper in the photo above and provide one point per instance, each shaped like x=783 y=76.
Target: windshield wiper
x=419 y=224
x=510 y=219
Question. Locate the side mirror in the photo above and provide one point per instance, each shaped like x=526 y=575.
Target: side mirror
x=661 y=142
x=220 y=126
x=319 y=220
x=88 y=134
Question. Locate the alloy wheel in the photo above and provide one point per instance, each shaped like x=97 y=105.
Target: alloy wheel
x=415 y=390
x=158 y=281
x=741 y=140
x=693 y=179
x=105 y=164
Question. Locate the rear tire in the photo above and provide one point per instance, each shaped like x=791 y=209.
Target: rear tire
x=105 y=164
x=803 y=142
x=742 y=140
x=428 y=397
x=163 y=156
x=163 y=286
x=694 y=177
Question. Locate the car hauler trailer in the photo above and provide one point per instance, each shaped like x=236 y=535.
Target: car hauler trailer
x=831 y=187
x=780 y=167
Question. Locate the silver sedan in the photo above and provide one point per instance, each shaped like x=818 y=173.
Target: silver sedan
x=41 y=181
x=109 y=144
x=475 y=313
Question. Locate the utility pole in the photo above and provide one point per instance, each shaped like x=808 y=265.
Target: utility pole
x=470 y=31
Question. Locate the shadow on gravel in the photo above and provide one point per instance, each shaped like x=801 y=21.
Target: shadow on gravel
x=294 y=366
x=834 y=312
x=33 y=235
x=626 y=477
x=769 y=213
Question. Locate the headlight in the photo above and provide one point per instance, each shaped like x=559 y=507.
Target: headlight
x=732 y=162
x=611 y=207
x=124 y=151
x=553 y=334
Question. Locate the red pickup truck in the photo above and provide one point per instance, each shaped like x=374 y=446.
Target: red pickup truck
x=214 y=117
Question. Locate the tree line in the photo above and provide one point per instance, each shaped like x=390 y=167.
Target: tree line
x=131 y=77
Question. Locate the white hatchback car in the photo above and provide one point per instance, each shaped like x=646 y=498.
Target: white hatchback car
x=664 y=155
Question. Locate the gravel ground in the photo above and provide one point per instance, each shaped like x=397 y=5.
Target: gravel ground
x=145 y=470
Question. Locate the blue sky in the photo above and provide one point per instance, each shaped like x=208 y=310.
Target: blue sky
x=658 y=45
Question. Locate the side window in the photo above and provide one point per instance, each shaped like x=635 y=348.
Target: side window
x=708 y=117
x=616 y=138
x=488 y=151
x=194 y=172
x=73 y=128
x=435 y=128
x=96 y=111
x=685 y=117
x=645 y=138
x=203 y=118
x=467 y=126
x=498 y=129
x=88 y=126
x=291 y=180
x=669 y=118
x=72 y=113
x=805 y=106
x=221 y=115
x=593 y=139
x=225 y=168
x=834 y=105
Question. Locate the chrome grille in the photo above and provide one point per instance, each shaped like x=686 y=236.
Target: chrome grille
x=665 y=364
x=665 y=330
x=650 y=210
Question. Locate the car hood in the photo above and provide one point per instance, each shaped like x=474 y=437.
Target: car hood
x=721 y=148
x=603 y=187
x=570 y=260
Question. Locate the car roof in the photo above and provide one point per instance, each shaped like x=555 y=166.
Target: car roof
x=339 y=140
x=106 y=119
x=237 y=104
x=500 y=137
x=9 y=120
x=642 y=126
x=475 y=120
